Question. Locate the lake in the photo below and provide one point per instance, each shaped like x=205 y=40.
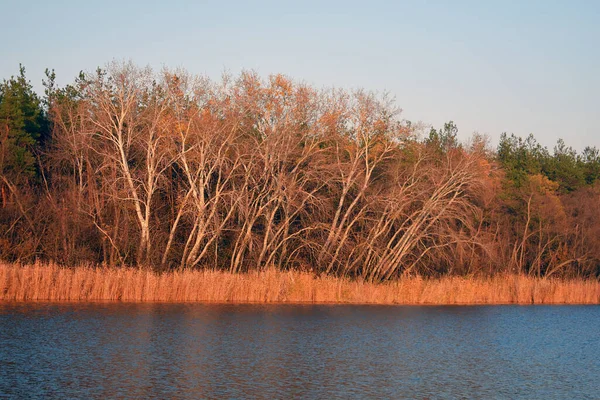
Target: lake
x=187 y=351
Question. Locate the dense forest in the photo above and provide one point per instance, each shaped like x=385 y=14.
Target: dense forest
x=127 y=166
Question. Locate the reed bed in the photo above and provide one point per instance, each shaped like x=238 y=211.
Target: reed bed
x=41 y=282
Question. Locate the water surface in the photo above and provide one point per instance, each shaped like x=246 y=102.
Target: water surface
x=111 y=350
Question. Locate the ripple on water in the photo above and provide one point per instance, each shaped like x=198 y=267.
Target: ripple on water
x=224 y=351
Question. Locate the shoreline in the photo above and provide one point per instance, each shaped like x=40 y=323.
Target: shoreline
x=54 y=284
x=280 y=303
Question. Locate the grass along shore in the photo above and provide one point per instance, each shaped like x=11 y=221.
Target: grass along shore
x=41 y=282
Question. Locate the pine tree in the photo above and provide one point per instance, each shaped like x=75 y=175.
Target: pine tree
x=23 y=125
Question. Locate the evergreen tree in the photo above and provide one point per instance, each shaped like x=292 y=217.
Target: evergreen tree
x=443 y=139
x=590 y=161
x=23 y=126
x=564 y=168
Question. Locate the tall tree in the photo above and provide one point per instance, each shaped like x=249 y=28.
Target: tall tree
x=23 y=125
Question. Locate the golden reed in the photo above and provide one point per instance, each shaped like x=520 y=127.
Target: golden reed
x=40 y=282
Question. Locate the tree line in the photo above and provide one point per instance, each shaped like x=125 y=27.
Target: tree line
x=167 y=170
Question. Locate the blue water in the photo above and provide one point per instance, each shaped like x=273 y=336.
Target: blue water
x=97 y=351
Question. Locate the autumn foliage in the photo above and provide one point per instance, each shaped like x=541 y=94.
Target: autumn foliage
x=171 y=172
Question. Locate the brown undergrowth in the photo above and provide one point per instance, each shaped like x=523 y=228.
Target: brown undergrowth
x=40 y=282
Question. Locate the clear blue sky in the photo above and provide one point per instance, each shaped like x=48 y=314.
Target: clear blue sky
x=491 y=66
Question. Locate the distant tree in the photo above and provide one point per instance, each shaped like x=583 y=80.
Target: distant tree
x=445 y=138
x=589 y=160
x=521 y=158
x=563 y=168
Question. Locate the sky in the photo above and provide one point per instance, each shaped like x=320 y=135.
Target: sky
x=491 y=66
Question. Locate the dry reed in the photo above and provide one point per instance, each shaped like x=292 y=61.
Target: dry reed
x=41 y=282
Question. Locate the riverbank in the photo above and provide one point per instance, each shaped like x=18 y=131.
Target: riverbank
x=53 y=283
